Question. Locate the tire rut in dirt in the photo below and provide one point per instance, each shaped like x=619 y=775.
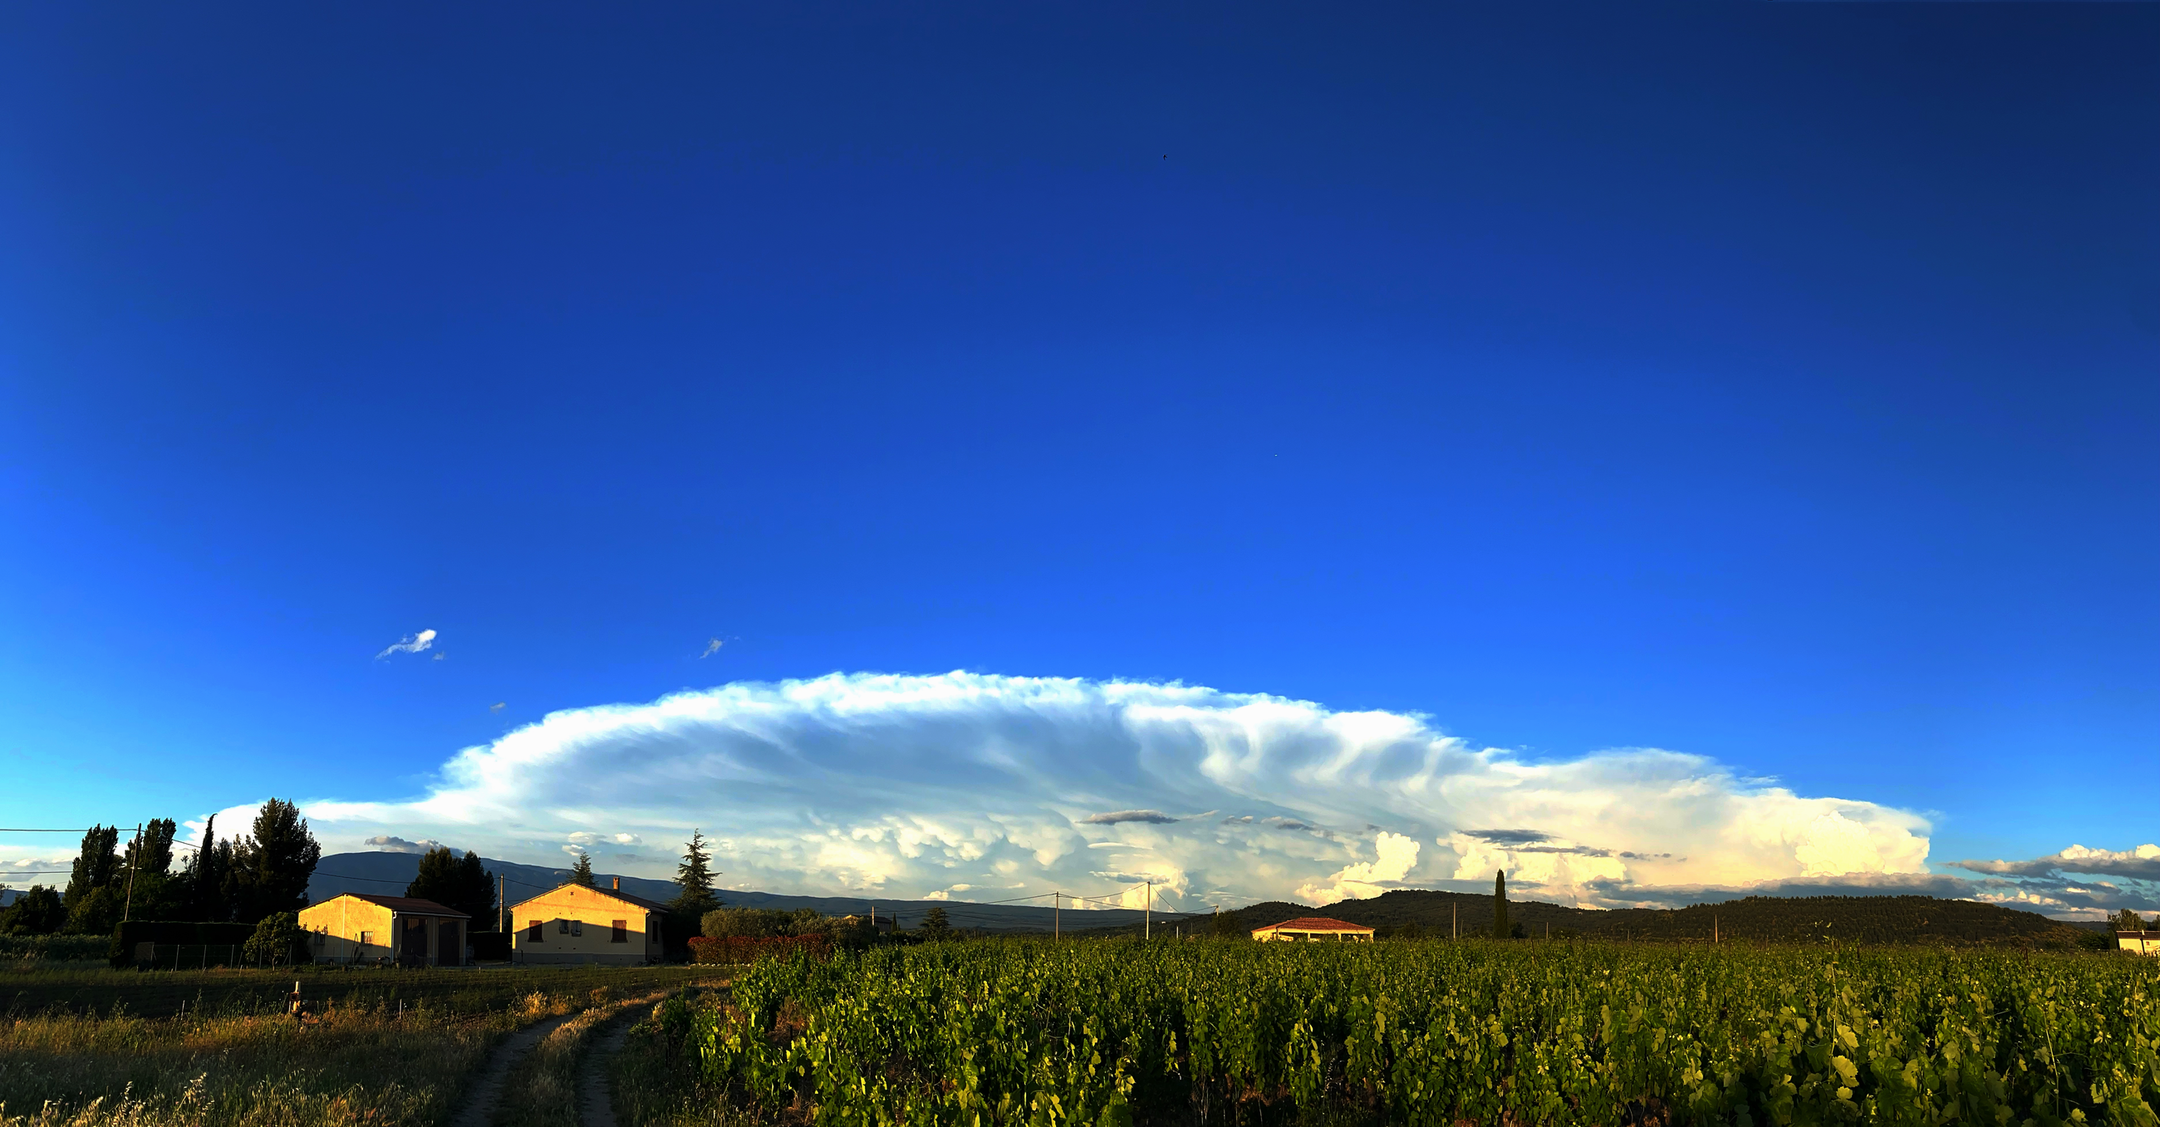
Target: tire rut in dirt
x=485 y=1094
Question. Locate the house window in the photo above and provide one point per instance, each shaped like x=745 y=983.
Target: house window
x=364 y=937
x=315 y=940
x=562 y=927
x=577 y=928
x=622 y=932
x=535 y=931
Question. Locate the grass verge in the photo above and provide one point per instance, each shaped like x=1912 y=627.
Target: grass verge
x=656 y=1076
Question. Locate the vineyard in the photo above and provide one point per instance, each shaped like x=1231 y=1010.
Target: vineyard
x=1438 y=1033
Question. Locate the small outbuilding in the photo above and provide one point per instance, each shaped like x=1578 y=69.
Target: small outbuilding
x=572 y=923
x=1313 y=929
x=2139 y=942
x=360 y=927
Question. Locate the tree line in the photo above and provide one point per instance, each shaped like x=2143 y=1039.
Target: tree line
x=239 y=879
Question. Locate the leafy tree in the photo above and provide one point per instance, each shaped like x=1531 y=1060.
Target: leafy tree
x=2126 y=920
x=92 y=901
x=935 y=925
x=154 y=891
x=271 y=866
x=1228 y=925
x=1500 y=928
x=459 y=883
x=36 y=912
x=476 y=895
x=276 y=940
x=581 y=870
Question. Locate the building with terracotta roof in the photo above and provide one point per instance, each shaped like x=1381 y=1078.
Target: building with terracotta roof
x=360 y=927
x=572 y=923
x=1313 y=929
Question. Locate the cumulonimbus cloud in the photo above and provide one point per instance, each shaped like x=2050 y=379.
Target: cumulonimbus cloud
x=901 y=785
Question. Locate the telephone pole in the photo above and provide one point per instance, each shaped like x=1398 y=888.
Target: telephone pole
x=1147 y=914
x=134 y=860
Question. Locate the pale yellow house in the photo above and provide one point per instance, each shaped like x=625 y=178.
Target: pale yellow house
x=576 y=924
x=2139 y=942
x=360 y=927
x=1313 y=929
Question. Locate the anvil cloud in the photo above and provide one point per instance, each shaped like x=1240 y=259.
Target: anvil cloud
x=966 y=782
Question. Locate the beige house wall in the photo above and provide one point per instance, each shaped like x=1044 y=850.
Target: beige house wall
x=347 y=929
x=2139 y=942
x=577 y=925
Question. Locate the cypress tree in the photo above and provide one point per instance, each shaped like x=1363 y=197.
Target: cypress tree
x=1499 y=904
x=695 y=875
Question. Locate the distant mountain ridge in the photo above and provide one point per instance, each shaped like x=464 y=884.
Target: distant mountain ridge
x=1860 y=919
x=1772 y=919
x=387 y=874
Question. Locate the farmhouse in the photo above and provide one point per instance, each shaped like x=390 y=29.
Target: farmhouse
x=1313 y=929
x=576 y=924
x=2139 y=942
x=360 y=927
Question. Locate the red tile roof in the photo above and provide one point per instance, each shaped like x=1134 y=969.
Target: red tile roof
x=410 y=905
x=1313 y=923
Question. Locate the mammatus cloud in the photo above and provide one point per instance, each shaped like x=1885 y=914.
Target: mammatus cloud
x=905 y=785
x=711 y=648
x=412 y=644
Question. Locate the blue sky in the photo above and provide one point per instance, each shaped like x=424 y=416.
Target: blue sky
x=1769 y=385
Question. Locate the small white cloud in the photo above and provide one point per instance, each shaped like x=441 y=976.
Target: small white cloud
x=496 y=707
x=574 y=850
x=583 y=837
x=413 y=643
x=438 y=655
x=629 y=839
x=711 y=648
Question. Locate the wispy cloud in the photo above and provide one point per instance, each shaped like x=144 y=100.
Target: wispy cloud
x=496 y=707
x=2142 y=863
x=909 y=784
x=1115 y=817
x=412 y=644
x=711 y=648
x=391 y=844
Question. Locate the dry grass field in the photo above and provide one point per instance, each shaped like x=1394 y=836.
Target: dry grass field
x=83 y=1047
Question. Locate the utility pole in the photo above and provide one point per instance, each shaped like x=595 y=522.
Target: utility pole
x=1454 y=920
x=1147 y=914
x=134 y=860
x=1057 y=902
x=502 y=905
